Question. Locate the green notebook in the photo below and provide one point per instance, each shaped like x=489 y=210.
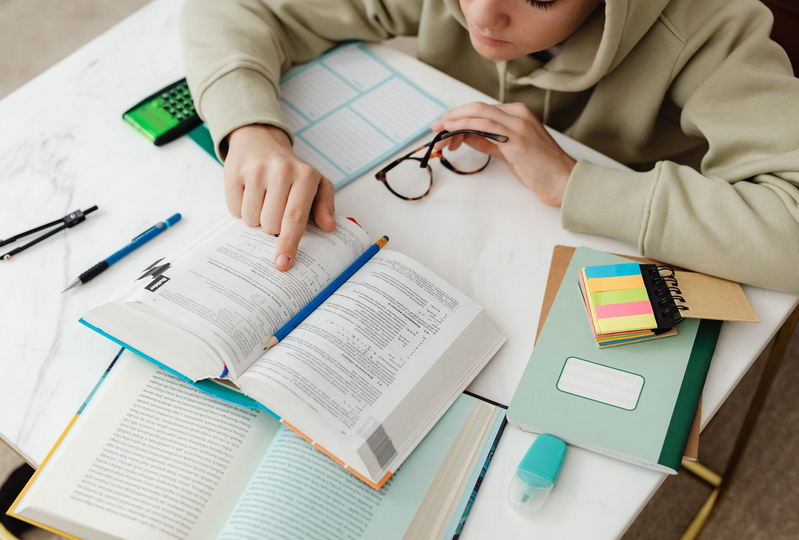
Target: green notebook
x=634 y=403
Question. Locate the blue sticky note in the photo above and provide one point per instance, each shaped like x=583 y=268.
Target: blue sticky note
x=613 y=270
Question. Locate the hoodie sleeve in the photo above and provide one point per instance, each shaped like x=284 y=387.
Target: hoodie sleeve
x=234 y=51
x=738 y=217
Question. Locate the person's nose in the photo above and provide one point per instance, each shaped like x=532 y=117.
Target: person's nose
x=489 y=14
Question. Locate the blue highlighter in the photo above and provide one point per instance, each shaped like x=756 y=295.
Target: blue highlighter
x=536 y=474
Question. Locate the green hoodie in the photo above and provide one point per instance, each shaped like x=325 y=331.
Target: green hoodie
x=690 y=94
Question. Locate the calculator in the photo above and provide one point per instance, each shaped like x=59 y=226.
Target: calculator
x=165 y=115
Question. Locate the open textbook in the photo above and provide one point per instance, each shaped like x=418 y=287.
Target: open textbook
x=151 y=456
x=364 y=377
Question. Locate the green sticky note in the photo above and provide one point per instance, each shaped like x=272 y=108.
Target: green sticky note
x=619 y=297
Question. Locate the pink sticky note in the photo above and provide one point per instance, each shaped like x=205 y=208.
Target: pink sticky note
x=623 y=310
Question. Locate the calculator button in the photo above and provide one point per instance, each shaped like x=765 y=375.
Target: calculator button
x=164 y=95
x=179 y=116
x=171 y=101
x=185 y=111
x=172 y=111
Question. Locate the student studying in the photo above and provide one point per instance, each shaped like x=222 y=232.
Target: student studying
x=648 y=84
x=651 y=84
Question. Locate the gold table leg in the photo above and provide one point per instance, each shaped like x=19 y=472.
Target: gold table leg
x=721 y=482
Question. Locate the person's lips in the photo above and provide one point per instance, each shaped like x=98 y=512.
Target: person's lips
x=482 y=38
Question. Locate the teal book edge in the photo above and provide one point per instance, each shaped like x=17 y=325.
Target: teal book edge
x=99 y=382
x=690 y=392
x=207 y=386
x=202 y=137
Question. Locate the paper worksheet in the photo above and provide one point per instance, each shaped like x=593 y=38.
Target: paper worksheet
x=349 y=111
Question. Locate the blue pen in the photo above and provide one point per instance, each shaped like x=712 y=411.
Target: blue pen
x=322 y=296
x=139 y=241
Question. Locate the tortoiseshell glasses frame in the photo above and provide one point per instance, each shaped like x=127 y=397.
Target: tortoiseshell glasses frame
x=430 y=154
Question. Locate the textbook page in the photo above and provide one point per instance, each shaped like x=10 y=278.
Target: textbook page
x=228 y=292
x=350 y=363
x=298 y=493
x=150 y=457
x=349 y=111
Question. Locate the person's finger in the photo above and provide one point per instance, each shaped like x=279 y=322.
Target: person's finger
x=234 y=191
x=455 y=112
x=477 y=109
x=277 y=194
x=518 y=109
x=295 y=218
x=481 y=144
x=252 y=202
x=324 y=208
x=448 y=142
x=479 y=124
x=456 y=141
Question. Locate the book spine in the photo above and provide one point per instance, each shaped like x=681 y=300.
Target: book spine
x=99 y=382
x=685 y=406
x=479 y=482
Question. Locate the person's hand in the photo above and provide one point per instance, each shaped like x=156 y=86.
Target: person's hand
x=266 y=183
x=533 y=156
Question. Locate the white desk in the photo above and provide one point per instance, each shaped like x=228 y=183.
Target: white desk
x=64 y=146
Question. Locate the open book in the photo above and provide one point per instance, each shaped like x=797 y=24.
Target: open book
x=363 y=378
x=134 y=464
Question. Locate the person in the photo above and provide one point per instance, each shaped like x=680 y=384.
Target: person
x=692 y=95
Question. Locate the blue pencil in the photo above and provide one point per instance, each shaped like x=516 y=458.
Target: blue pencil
x=325 y=294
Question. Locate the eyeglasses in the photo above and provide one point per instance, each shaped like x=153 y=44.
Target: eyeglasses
x=411 y=177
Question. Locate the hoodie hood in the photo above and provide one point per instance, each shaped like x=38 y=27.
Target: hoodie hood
x=592 y=51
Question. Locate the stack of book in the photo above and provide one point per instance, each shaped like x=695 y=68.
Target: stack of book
x=309 y=435
x=638 y=404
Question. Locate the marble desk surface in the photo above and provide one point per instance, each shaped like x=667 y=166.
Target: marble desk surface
x=64 y=146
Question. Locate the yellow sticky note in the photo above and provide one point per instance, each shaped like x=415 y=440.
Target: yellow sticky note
x=596 y=285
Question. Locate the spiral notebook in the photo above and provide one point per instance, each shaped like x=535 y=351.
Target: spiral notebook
x=632 y=302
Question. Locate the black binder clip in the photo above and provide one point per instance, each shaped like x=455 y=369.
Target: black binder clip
x=65 y=222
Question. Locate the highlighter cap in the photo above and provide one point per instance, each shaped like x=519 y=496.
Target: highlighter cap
x=536 y=474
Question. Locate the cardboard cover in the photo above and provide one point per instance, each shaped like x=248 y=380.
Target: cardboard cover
x=561 y=257
x=713 y=298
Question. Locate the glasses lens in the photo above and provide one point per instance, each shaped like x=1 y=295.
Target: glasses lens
x=466 y=159
x=409 y=180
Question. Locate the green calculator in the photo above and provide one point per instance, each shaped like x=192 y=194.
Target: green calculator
x=165 y=115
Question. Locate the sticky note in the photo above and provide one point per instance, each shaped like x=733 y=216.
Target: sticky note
x=619 y=297
x=615 y=283
x=626 y=309
x=613 y=270
x=632 y=322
